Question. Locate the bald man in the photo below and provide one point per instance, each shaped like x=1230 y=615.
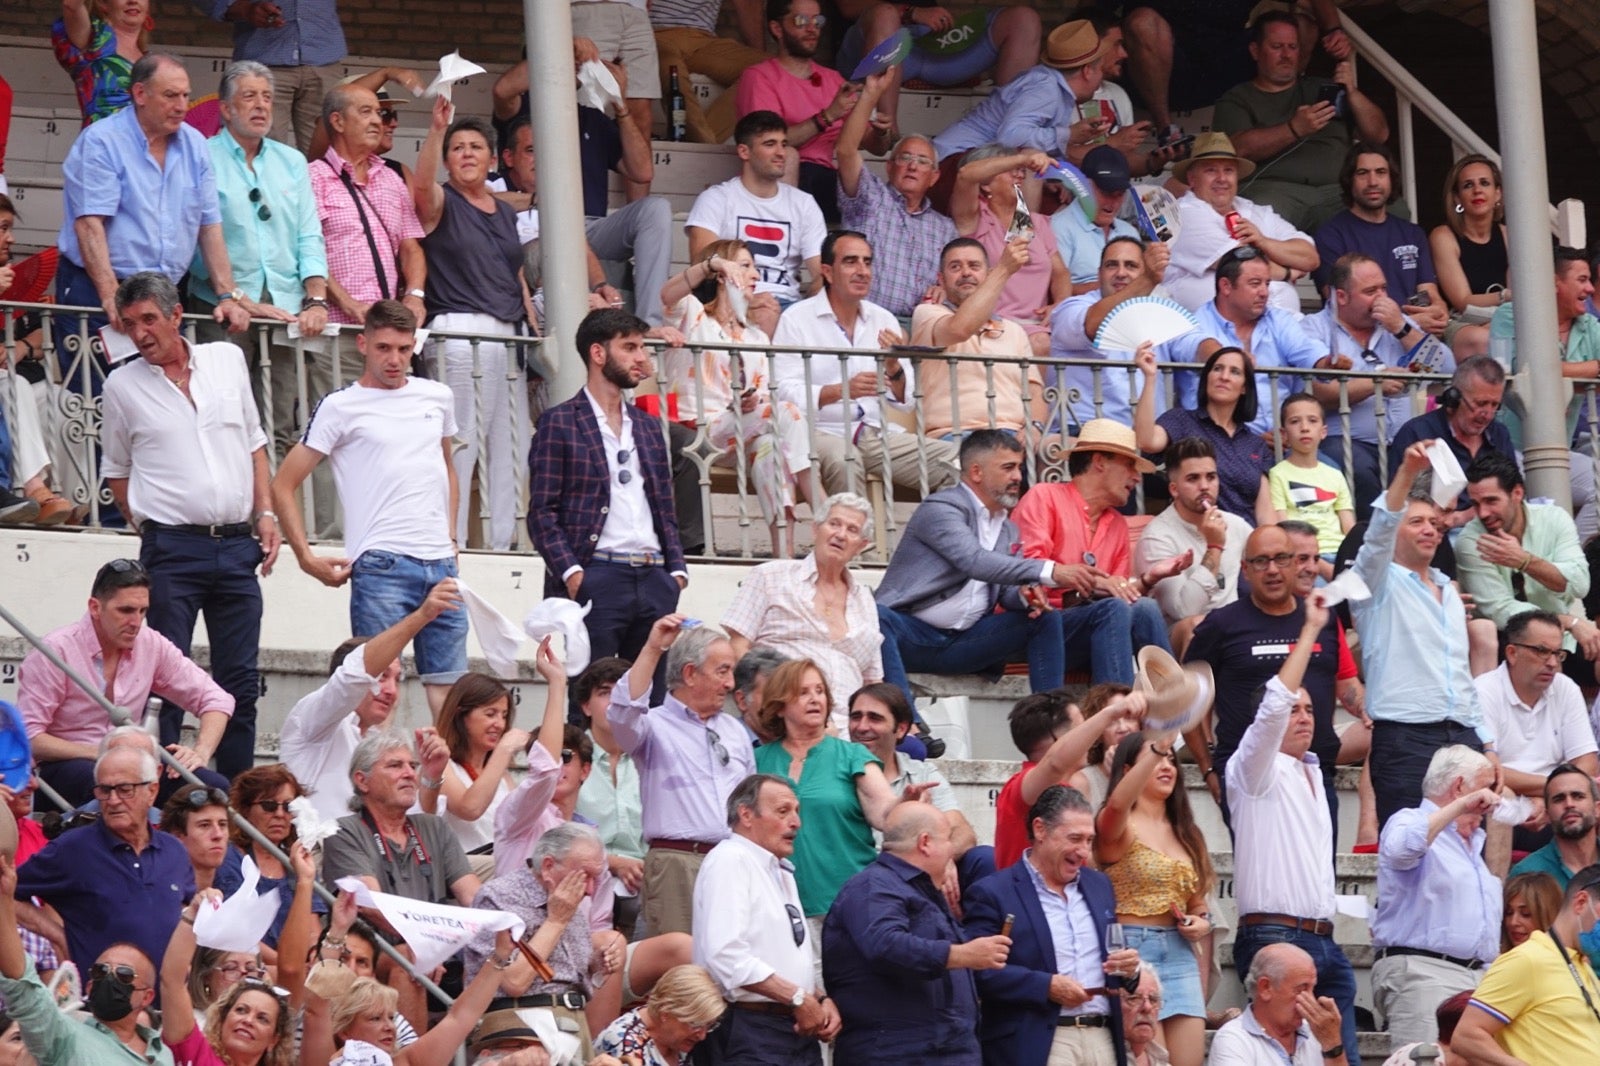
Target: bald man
x=1285 y=1021
x=894 y=958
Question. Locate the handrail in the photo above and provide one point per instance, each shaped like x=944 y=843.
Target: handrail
x=1566 y=218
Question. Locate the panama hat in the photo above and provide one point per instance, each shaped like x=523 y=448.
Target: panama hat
x=1073 y=44
x=1212 y=146
x=1107 y=435
x=1176 y=695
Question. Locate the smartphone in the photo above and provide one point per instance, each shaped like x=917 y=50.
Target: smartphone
x=1333 y=93
x=1419 y=299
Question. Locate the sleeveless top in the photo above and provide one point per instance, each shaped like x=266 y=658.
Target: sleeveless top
x=1484 y=264
x=474 y=261
x=478 y=833
x=1148 y=882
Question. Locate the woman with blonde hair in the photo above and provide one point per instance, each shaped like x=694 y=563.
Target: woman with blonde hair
x=1532 y=902
x=99 y=47
x=1470 y=254
x=684 y=1006
x=714 y=301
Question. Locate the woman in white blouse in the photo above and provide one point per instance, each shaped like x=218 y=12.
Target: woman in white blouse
x=726 y=392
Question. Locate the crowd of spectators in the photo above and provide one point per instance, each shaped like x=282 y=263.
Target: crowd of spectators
x=727 y=844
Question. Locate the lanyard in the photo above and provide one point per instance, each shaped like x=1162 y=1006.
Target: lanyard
x=1577 y=978
x=390 y=860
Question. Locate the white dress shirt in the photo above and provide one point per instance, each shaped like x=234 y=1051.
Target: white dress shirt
x=1535 y=740
x=629 y=526
x=1282 y=832
x=746 y=916
x=811 y=323
x=186 y=463
x=321 y=733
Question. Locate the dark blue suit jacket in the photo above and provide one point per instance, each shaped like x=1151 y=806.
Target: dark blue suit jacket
x=569 y=488
x=1019 y=1021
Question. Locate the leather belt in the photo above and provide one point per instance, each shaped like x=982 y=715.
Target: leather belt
x=1470 y=964
x=1316 y=926
x=216 y=532
x=569 y=1000
x=765 y=1008
x=1083 y=1021
x=634 y=559
x=693 y=847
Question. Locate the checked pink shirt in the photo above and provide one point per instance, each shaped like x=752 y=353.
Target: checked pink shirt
x=390 y=213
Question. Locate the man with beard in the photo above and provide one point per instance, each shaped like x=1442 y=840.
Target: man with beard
x=600 y=494
x=1128 y=269
x=1570 y=796
x=959 y=557
x=812 y=99
x=1368 y=183
x=1420 y=694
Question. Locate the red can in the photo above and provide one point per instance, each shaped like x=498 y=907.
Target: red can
x=1233 y=218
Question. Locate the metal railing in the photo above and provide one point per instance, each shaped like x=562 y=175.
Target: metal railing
x=1042 y=400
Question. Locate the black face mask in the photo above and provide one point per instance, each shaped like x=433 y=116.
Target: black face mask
x=109 y=999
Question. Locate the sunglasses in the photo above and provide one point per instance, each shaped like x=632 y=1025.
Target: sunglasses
x=567 y=754
x=390 y=117
x=797 y=923
x=205 y=797
x=253 y=971
x=263 y=212
x=801 y=22
x=122 y=972
x=272 y=806
x=624 y=475
x=717 y=747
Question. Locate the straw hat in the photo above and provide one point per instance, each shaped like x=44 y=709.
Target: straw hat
x=499 y=1025
x=1108 y=435
x=1212 y=146
x=1177 y=696
x=1073 y=44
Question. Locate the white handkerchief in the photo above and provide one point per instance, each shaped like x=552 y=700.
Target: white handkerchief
x=1512 y=810
x=452 y=68
x=310 y=828
x=1448 y=477
x=434 y=931
x=361 y=1053
x=119 y=345
x=566 y=618
x=563 y=1048
x=597 y=88
x=498 y=635
x=1347 y=586
x=293 y=329
x=1351 y=906
x=242 y=919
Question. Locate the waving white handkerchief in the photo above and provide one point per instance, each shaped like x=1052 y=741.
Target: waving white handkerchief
x=597 y=88
x=452 y=68
x=310 y=828
x=242 y=919
x=566 y=618
x=1448 y=477
x=498 y=635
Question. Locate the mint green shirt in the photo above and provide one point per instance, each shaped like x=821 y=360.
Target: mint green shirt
x=273 y=255
x=1583 y=345
x=57 y=1040
x=835 y=841
x=1550 y=534
x=616 y=810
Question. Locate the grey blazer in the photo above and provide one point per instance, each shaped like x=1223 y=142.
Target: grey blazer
x=939 y=552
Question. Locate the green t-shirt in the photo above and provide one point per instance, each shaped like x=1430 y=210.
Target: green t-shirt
x=835 y=841
x=1316 y=495
x=1313 y=161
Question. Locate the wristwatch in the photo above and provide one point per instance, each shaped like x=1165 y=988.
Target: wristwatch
x=798 y=999
x=236 y=294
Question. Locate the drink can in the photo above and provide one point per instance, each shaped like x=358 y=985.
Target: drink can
x=1233 y=218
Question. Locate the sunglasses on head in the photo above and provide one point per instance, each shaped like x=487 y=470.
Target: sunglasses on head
x=206 y=797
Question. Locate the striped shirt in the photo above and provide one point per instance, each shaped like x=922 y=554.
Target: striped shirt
x=694 y=14
x=386 y=203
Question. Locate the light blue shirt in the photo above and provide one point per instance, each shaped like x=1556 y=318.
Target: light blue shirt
x=1119 y=385
x=310 y=34
x=1242 y=1042
x=1081 y=242
x=1033 y=110
x=1413 y=646
x=275 y=255
x=1330 y=335
x=1077 y=941
x=152 y=212
x=1277 y=340
x=1439 y=896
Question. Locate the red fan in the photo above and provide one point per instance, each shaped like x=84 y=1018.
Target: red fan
x=205 y=115
x=32 y=279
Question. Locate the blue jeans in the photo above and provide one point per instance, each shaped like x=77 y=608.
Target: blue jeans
x=1335 y=977
x=191 y=573
x=909 y=643
x=385 y=587
x=1104 y=635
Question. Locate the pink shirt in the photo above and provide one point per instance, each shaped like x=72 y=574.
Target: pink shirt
x=528 y=814
x=194 y=1050
x=1029 y=288
x=1055 y=525
x=390 y=215
x=54 y=705
x=768 y=87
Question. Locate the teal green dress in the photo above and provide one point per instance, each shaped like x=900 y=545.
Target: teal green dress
x=835 y=841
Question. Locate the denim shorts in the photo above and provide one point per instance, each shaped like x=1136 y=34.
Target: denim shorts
x=1175 y=962
x=385 y=587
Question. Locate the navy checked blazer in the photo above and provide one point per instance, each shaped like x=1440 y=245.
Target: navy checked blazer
x=569 y=488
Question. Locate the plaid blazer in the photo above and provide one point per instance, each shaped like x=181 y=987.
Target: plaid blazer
x=569 y=488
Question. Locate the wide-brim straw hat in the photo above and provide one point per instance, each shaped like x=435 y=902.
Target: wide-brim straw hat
x=1177 y=695
x=1212 y=146
x=1107 y=435
x=1073 y=44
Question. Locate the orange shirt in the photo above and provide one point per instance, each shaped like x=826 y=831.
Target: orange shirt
x=1055 y=525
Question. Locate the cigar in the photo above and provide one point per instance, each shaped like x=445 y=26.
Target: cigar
x=1005 y=926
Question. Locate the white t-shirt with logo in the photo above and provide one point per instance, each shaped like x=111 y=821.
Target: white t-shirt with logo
x=384 y=446
x=782 y=231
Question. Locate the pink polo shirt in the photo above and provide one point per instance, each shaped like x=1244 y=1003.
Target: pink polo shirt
x=52 y=704
x=1055 y=525
x=768 y=87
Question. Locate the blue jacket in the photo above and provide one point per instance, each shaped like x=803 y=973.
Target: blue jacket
x=939 y=553
x=1019 y=1022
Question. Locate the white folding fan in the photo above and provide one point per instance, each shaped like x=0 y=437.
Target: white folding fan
x=1143 y=318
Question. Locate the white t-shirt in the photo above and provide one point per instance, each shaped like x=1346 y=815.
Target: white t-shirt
x=782 y=231
x=384 y=445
